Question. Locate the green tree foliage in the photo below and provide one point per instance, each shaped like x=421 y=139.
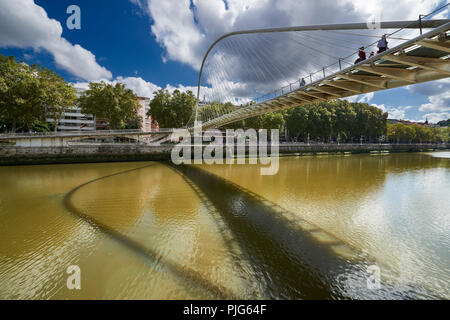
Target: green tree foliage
x=172 y=110
x=442 y=134
x=216 y=109
x=254 y=122
x=116 y=103
x=338 y=119
x=400 y=132
x=444 y=123
x=27 y=91
x=58 y=95
x=39 y=126
x=273 y=120
x=133 y=123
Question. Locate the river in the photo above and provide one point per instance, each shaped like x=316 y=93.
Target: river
x=369 y=226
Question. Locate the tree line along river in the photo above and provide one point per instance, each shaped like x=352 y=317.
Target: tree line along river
x=151 y=230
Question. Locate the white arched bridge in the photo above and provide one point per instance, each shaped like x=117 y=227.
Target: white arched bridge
x=421 y=59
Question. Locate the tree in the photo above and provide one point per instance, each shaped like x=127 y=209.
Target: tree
x=27 y=91
x=421 y=135
x=57 y=94
x=115 y=103
x=444 y=123
x=409 y=134
x=216 y=109
x=172 y=110
x=345 y=119
x=442 y=134
x=39 y=126
x=297 y=122
x=338 y=119
x=254 y=122
x=133 y=123
x=20 y=102
x=396 y=132
x=273 y=120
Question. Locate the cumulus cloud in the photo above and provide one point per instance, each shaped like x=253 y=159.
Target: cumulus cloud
x=362 y=98
x=140 y=87
x=189 y=27
x=24 y=24
x=436 y=117
x=436 y=109
x=393 y=112
x=437 y=93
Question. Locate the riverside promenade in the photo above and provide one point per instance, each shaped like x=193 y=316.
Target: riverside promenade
x=15 y=155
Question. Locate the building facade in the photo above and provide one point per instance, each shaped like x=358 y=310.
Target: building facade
x=74 y=120
x=147 y=123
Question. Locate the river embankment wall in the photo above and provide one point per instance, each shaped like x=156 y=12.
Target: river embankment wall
x=15 y=155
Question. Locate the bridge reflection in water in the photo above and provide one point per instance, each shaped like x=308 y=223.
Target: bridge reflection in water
x=142 y=230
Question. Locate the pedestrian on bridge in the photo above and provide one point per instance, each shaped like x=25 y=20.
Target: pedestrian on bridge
x=361 y=55
x=382 y=44
x=302 y=82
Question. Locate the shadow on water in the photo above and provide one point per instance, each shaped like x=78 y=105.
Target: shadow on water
x=189 y=277
x=286 y=259
x=290 y=263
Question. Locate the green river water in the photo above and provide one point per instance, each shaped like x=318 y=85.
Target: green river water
x=150 y=230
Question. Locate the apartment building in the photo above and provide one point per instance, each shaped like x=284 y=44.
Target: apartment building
x=74 y=120
x=147 y=123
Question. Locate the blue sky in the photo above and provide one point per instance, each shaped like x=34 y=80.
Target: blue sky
x=151 y=44
x=119 y=36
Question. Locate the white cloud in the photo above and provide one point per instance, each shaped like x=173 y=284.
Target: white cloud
x=140 y=87
x=436 y=117
x=438 y=94
x=437 y=103
x=366 y=98
x=362 y=98
x=186 y=30
x=176 y=30
x=394 y=112
x=24 y=24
